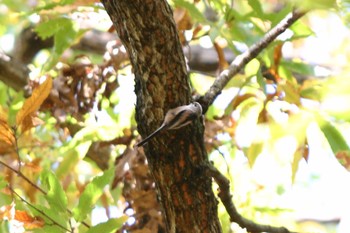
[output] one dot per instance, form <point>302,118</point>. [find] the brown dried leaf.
<point>344,158</point>
<point>34,166</point>
<point>33,103</point>
<point>277,55</point>
<point>143,200</point>
<point>6,213</point>
<point>239,99</point>
<point>272,73</point>
<point>7,137</point>
<point>182,19</point>
<point>30,121</point>
<point>223,64</point>
<point>120,163</point>
<point>28,221</point>
<point>196,30</point>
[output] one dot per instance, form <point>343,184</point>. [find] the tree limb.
<point>243,59</point>
<point>149,34</point>
<point>13,73</point>
<point>226,199</point>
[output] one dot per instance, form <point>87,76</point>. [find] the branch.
<point>243,59</point>
<point>20,174</point>
<point>12,72</point>
<point>226,199</point>
<point>28,43</point>
<point>54,222</point>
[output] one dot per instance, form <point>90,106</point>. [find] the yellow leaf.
<point>7,137</point>
<point>33,103</point>
<point>298,155</point>
<point>291,92</point>
<point>30,121</point>
<point>253,152</point>
<point>28,221</point>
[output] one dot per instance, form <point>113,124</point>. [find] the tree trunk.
<point>175,158</point>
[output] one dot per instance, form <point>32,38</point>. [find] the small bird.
<point>176,118</point>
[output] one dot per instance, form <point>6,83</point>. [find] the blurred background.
<point>279,131</point>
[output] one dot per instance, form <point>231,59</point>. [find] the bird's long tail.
<point>149,137</point>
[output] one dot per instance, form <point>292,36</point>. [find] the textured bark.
<point>176,158</point>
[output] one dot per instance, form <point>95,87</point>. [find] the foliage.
<point>71,141</point>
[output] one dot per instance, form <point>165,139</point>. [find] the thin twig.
<point>243,59</point>
<point>20,174</point>
<point>39,211</point>
<point>226,199</point>
<point>14,129</point>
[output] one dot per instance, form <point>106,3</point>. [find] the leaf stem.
<point>54,222</point>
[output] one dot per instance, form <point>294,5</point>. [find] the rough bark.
<point>176,158</point>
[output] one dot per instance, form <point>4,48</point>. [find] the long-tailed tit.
<point>176,118</point>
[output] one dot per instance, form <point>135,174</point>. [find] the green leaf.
<point>313,89</point>
<point>276,17</point>
<point>213,111</point>
<point>5,199</point>
<point>201,83</point>
<point>76,149</point>
<point>107,227</point>
<point>252,67</point>
<point>261,81</point>
<point>4,227</point>
<point>298,67</point>
<point>49,228</point>
<point>301,30</point>
<point>91,194</point>
<point>333,135</point>
<point>55,196</point>
<point>72,157</point>
<point>64,32</point>
<point>238,81</point>
<point>3,182</point>
<point>253,151</point>
<point>192,10</point>
<point>291,91</point>
<point>51,214</point>
<point>50,5</point>
<point>312,5</point>
<point>257,8</point>
<point>51,27</point>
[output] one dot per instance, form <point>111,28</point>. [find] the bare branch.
<point>13,73</point>
<point>241,60</point>
<point>226,199</point>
